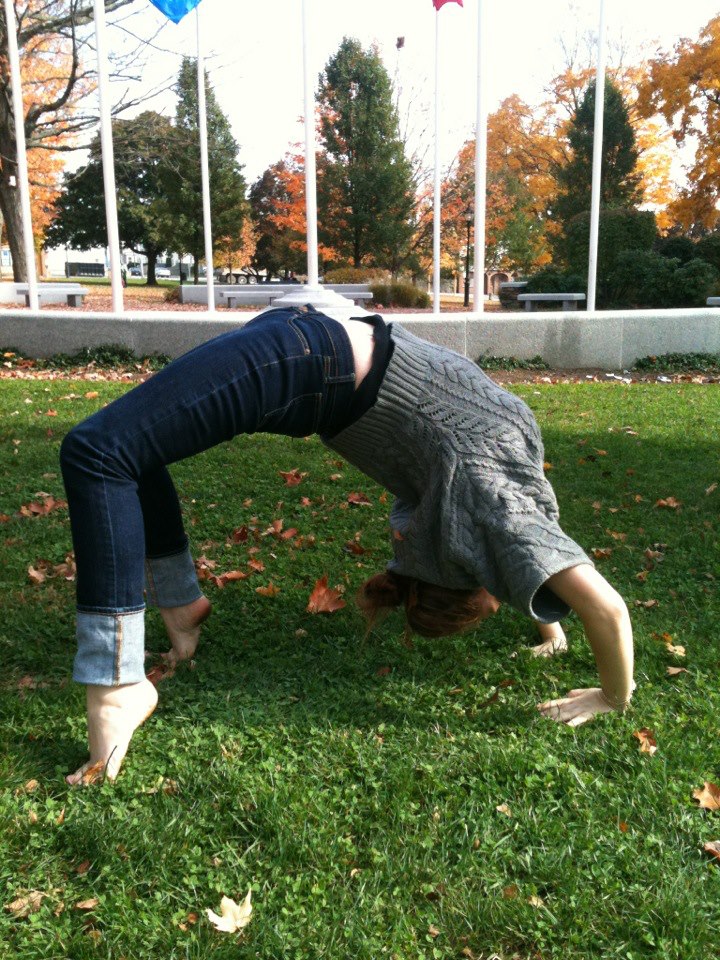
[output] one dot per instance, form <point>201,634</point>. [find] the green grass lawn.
<point>354,784</point>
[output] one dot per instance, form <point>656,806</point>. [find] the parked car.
<point>162,273</point>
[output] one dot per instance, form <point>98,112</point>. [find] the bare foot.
<point>113,715</point>
<point>183,628</point>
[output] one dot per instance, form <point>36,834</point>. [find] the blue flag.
<point>175,9</point>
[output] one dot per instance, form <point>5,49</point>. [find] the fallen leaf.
<point>536,901</point>
<point>711,489</point>
<point>289,533</point>
<point>675,649</point>
<point>274,530</point>
<point>433,931</point>
<point>709,796</point>
<point>669,503</point>
<point>622,827</point>
<point>383,671</point>
<point>648,604</point>
<point>602,553</point>
<point>91,395</point>
<point>504,808</point>
<point>51,413</point>
<point>622,537</point>
<point>353,547</point>
<point>358,499</point>
<point>25,905</point>
<point>240,534</point>
<point>162,671</point>
<point>647,740</point>
<point>511,892</point>
<point>547,466</point>
<point>94,774</point>
<point>257,565</point>
<point>642,576</point>
<point>324,599</point>
<point>87,904</point>
<point>674,671</point>
<point>713,848</point>
<point>32,817</point>
<point>82,868</point>
<point>229,577</point>
<point>233,916</point>
<point>42,508</point>
<point>31,786</point>
<point>305,501</point>
<point>269,591</point>
<point>596,505</point>
<point>292,477</point>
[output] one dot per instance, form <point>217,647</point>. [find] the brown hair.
<point>431,611</point>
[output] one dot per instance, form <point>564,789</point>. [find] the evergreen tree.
<point>184,187</point>
<point>366,194</point>
<point>620,183</point>
<point>140,171</point>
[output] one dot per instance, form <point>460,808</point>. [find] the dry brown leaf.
<point>596,505</point>
<point>87,904</point>
<point>511,892</point>
<point>622,537</point>
<point>358,499</point>
<point>94,774</point>
<point>647,740</point>
<point>292,477</point>
<point>602,553</point>
<point>648,604</point>
<point>711,489</point>
<point>353,547</point>
<point>229,577</point>
<point>91,395</point>
<point>35,576</point>
<point>536,901</point>
<point>257,565</point>
<point>27,904</point>
<point>669,503</point>
<point>289,533</point>
<point>274,530</point>
<point>324,599</point>
<point>713,848</point>
<point>82,868</point>
<point>240,534</point>
<point>674,671</point>
<point>709,796</point>
<point>233,916</point>
<point>433,931</point>
<point>504,808</point>
<point>37,508</point>
<point>547,466</point>
<point>269,591</point>
<point>675,649</point>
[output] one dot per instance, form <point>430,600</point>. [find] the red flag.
<point>441,3</point>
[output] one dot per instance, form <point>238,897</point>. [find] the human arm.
<point>606,622</point>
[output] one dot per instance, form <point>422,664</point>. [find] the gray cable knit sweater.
<point>464,459</point>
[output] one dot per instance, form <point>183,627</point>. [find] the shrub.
<point>356,275</point>
<point>647,279</point>
<point>680,362</point>
<point>172,295</point>
<point>620,230</point>
<point>708,249</point>
<point>512,363</point>
<point>554,280</point>
<point>676,248</point>
<point>399,295</point>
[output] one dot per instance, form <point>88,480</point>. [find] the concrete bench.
<point>713,301</point>
<point>235,298</point>
<point>569,301</point>
<point>71,293</point>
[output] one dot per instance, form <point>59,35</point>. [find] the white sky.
<point>255,55</point>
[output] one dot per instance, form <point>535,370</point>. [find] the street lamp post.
<point>468,224</point>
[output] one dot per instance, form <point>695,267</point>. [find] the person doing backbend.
<point>474,522</point>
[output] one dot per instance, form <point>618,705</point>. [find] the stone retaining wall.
<point>609,340</point>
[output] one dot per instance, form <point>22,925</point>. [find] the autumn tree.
<point>684,88</point>
<point>366,192</point>
<point>53,38</point>
<point>184,190</point>
<point>141,177</point>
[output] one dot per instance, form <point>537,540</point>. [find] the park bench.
<point>71,293</point>
<point>266,293</point>
<point>713,301</point>
<point>569,301</point>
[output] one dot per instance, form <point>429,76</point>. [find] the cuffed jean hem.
<point>171,581</point>
<point>111,648</point>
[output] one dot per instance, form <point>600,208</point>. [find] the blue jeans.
<point>289,372</point>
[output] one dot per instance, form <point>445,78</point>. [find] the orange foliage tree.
<point>683,87</point>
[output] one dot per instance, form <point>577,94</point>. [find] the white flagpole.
<point>22,168</point>
<point>597,162</point>
<point>436,185</point>
<point>310,172</point>
<point>204,169</point>
<point>480,164</point>
<point>108,157</point>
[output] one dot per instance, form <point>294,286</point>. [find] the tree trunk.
<point>10,206</point>
<point>196,270</point>
<point>152,256</point>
